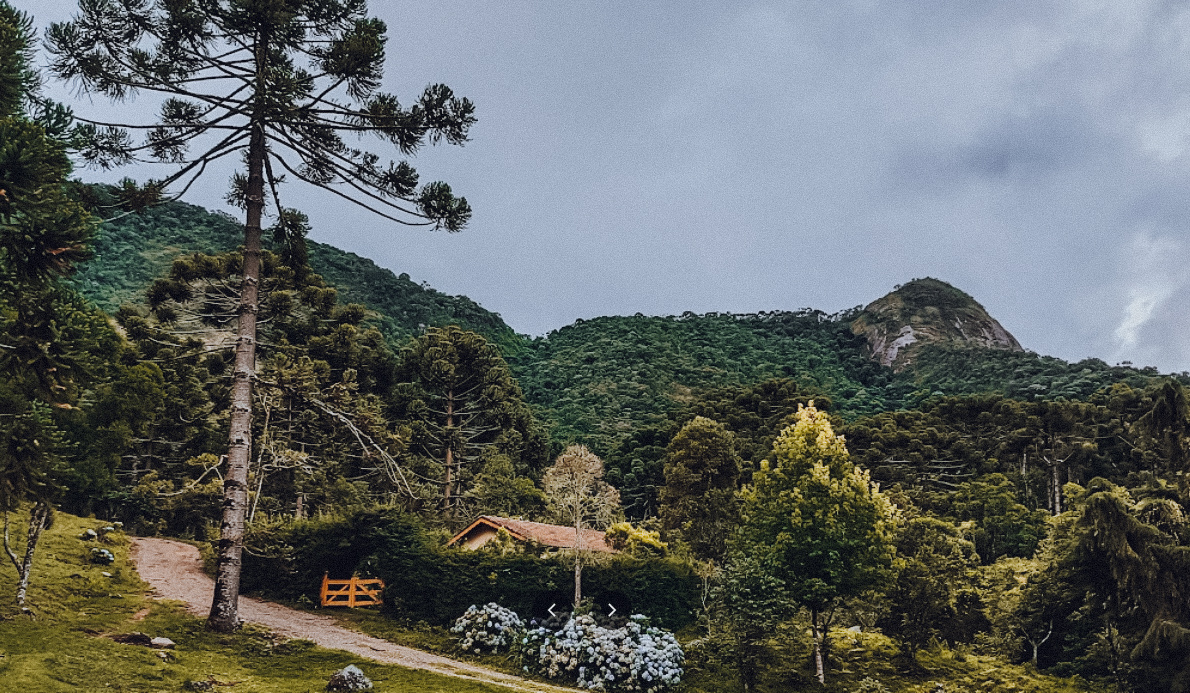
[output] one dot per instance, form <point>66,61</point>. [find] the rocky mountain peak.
<point>923,312</point>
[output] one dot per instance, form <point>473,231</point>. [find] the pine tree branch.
<point>355,201</point>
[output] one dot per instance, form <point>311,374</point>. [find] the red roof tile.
<point>558,536</point>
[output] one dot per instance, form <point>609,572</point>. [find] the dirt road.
<point>175,572</point>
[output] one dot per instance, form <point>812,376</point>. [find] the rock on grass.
<point>349,678</point>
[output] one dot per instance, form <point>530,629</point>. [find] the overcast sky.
<point>745,156</point>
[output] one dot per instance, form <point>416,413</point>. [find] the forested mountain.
<point>133,250</point>
<point>891,498</point>
<point>602,381</point>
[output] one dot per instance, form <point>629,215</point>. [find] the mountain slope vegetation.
<point>599,381</point>
<point>133,250</point>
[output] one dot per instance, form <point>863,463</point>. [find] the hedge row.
<point>436,584</point>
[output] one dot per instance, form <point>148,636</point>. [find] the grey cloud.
<point>766,155</point>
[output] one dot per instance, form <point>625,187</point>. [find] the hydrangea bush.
<point>491,626</point>
<point>102,556</point>
<point>636,657</point>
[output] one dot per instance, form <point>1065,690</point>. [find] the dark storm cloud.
<point>752,156</point>
<point>1029,147</point>
<point>1016,148</point>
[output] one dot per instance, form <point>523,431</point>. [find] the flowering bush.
<point>636,657</point>
<point>491,626</point>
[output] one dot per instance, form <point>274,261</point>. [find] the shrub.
<point>288,559</point>
<point>871,685</point>
<point>636,657</point>
<point>636,541</point>
<point>491,626</point>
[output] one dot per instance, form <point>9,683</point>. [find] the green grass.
<point>857,656</point>
<point>65,645</point>
<point>422,636</point>
<point>875,656</point>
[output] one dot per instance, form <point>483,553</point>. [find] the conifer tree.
<point>1169,423</point>
<point>1150,565</point>
<point>280,84</point>
<point>466,410</point>
<point>702,471</point>
<point>321,372</point>
<point>43,233</point>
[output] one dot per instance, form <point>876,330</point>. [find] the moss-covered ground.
<point>65,644</point>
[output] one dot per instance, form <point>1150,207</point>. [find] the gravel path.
<point>174,570</point>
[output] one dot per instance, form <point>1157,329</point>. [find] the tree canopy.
<point>820,518</point>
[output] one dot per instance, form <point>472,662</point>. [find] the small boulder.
<point>162,643</point>
<point>133,638</point>
<point>89,535</point>
<point>102,556</point>
<point>349,678</point>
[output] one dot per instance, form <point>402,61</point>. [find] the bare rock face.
<point>927,311</point>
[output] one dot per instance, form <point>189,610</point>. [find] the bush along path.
<point>174,570</point>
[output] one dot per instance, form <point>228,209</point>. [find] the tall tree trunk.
<point>819,663</point>
<point>450,422</point>
<point>578,559</point>
<point>1038,643</point>
<point>1056,483</point>
<point>224,616</point>
<point>39,516</point>
<point>578,578</point>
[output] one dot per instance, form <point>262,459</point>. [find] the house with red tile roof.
<point>487,527</point>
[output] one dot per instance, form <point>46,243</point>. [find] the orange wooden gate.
<point>351,593</point>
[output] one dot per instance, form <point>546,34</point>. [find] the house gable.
<point>485,528</point>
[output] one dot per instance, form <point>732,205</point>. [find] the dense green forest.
<point>600,381</point>
<point>132,250</point>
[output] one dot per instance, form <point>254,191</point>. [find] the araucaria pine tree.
<point>279,83</point>
<point>43,234</point>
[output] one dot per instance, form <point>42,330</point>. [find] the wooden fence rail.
<point>351,593</point>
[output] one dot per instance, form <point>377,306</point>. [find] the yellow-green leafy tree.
<point>820,521</point>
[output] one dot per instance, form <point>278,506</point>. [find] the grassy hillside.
<point>66,644</point>
<point>131,251</point>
